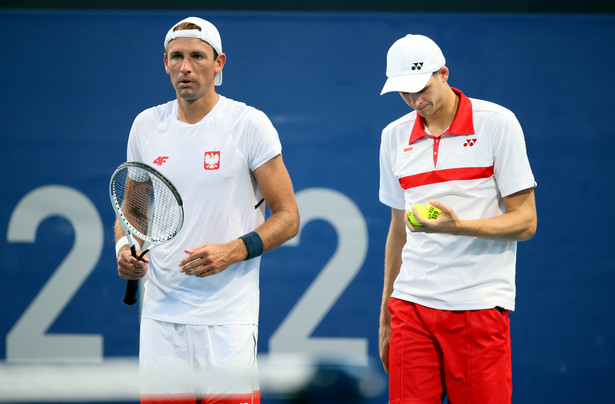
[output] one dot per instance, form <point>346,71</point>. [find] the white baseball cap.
<point>411,61</point>
<point>208,33</point>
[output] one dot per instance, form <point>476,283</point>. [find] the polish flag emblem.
<point>212,160</point>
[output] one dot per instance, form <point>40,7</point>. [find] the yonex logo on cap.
<point>417,66</point>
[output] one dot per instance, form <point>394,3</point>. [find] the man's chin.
<point>185,95</point>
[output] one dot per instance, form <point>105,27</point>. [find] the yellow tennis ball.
<point>432,212</point>
<point>422,209</point>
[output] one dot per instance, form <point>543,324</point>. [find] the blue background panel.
<point>74,81</point>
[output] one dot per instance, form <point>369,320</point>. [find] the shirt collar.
<point>462,123</point>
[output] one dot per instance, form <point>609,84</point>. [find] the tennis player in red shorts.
<point>449,282</point>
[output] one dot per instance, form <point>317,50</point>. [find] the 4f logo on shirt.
<point>212,160</point>
<point>161,160</point>
<point>469,142</point>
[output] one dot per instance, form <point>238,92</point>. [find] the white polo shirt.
<point>479,160</point>
<point>211,164</point>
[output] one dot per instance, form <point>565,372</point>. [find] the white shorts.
<point>198,360</point>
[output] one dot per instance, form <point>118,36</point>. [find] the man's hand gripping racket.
<point>147,206</point>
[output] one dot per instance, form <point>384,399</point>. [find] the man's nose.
<point>415,98</point>
<point>412,99</point>
<point>186,66</point>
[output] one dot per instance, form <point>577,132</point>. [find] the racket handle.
<point>130,296</point>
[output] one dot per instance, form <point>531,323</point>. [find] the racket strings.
<point>164,217</point>
<point>147,203</point>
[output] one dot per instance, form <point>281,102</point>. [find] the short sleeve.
<point>512,167</point>
<point>260,140</point>
<point>391,193</point>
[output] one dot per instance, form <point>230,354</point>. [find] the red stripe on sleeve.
<point>452,174</point>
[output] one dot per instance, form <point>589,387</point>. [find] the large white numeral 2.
<point>293,335</point>
<point>27,340</point>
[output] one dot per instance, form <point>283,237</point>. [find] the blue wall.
<point>72,82</point>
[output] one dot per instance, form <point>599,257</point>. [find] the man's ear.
<point>220,61</point>
<point>444,73</point>
<point>166,63</point>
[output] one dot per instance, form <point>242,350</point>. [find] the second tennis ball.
<point>426,211</point>
<point>432,212</point>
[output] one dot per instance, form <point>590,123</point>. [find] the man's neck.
<point>194,111</point>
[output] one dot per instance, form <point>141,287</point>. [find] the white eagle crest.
<point>212,160</point>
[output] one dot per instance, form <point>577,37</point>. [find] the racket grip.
<point>130,295</point>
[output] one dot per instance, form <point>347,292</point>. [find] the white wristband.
<point>122,242</point>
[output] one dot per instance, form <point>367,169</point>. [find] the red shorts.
<point>462,354</point>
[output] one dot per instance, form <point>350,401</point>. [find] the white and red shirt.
<point>480,159</point>
<point>210,163</point>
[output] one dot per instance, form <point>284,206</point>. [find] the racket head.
<point>146,203</point>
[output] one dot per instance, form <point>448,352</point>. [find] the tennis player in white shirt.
<point>201,299</point>
<point>450,282</point>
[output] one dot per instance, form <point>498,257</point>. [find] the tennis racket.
<point>148,207</point>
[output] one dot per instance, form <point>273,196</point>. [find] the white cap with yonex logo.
<point>411,61</point>
<point>208,33</point>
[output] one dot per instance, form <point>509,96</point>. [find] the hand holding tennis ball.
<point>426,211</point>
